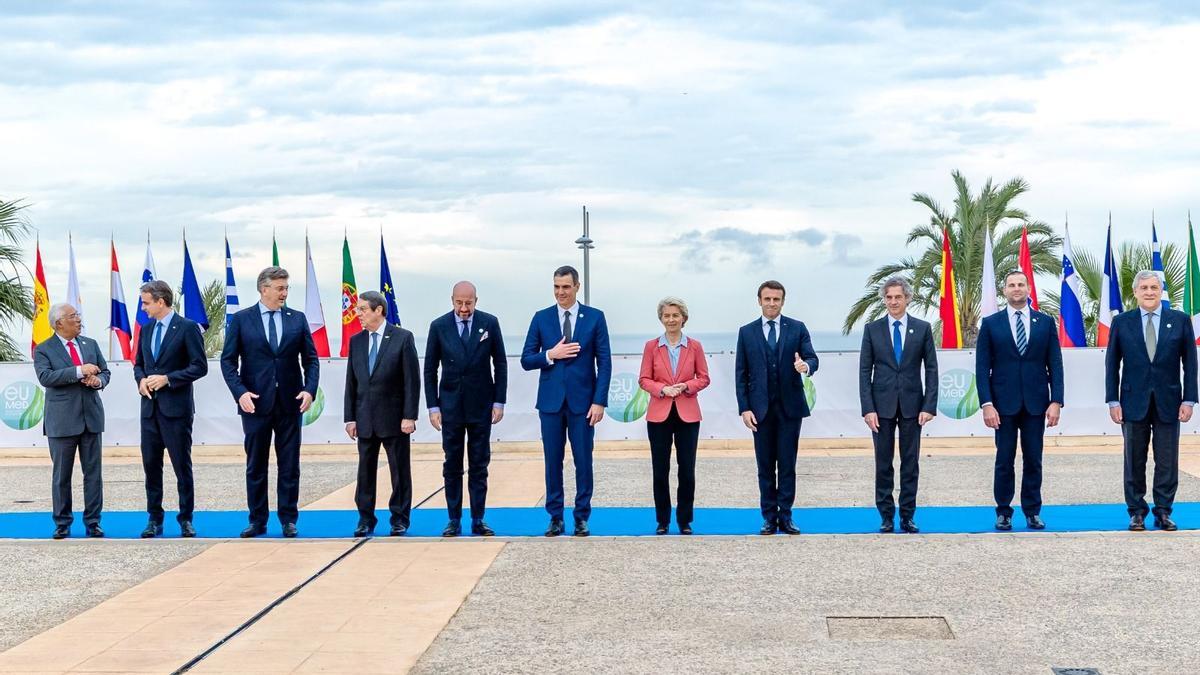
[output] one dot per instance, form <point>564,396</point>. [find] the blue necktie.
<point>897,345</point>
<point>272,335</point>
<point>466,331</point>
<point>157,339</point>
<point>1022,341</point>
<point>371,355</point>
<point>772,340</point>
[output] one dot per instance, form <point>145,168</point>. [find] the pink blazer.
<point>656,374</point>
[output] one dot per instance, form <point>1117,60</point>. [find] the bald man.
<point>466,345</point>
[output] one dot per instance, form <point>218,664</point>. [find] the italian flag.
<point>948,299</point>
<point>1191,283</point>
<point>350,324</point>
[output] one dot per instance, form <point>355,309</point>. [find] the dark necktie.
<point>466,331</point>
<point>157,344</point>
<point>772,338</point>
<point>567,326</point>
<point>371,355</point>
<point>897,344</point>
<point>272,335</point>
<point>1022,341</point>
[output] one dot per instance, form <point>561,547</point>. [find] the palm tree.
<point>214,308</point>
<point>990,211</point>
<point>16,299</point>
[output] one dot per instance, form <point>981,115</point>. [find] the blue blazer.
<point>248,364</point>
<point>750,370</point>
<point>1012,382</point>
<point>1130,375</point>
<point>578,382</point>
<point>181,358</point>
<point>467,390</point>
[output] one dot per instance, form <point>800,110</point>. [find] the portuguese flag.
<point>350,324</point>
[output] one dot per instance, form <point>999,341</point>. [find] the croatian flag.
<point>142,318</point>
<point>118,321</point>
<point>1156,264</point>
<point>1110,292</point>
<point>313,310</point>
<point>231,298</point>
<point>1070,309</point>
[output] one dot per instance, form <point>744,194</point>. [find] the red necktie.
<point>74,354</point>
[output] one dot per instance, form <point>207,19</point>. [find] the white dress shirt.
<point>64,341</point>
<point>1012,322</point>
<point>574,310</point>
<point>778,327</point>
<point>891,321</point>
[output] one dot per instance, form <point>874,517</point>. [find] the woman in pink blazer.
<point>673,373</point>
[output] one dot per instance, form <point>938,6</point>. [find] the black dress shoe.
<point>788,527</point>
<point>452,529</point>
<point>581,528</point>
<point>364,530</point>
<point>152,530</point>
<point>398,531</point>
<point>555,528</point>
<point>290,531</point>
<point>1165,523</point>
<point>62,532</point>
<point>1035,522</point>
<point>887,525</point>
<point>1137,523</point>
<point>685,528</point>
<point>768,527</point>
<point>481,529</point>
<point>253,531</point>
<point>907,525</point>
<point>94,531</point>
<point>186,529</point>
<point>661,529</point>
<point>1004,523</point>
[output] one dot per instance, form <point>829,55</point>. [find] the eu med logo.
<point>23,405</point>
<point>957,396</point>
<point>314,411</point>
<point>627,402</point>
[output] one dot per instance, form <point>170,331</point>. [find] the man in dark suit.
<point>1019,377</point>
<point>1150,349</point>
<point>270,366</point>
<point>383,396</point>
<point>774,353</point>
<point>467,346</point>
<point>898,389</point>
<point>164,368</point>
<point>73,371</point>
<point>568,343</point>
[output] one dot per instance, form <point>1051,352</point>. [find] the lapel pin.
<point>910,331</point>
<point>1168,325</point>
<point>480,330</point>
<point>1034,319</point>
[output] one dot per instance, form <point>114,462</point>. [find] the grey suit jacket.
<point>71,407</point>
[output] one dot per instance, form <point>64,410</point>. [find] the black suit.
<point>1150,392</point>
<point>167,414</point>
<point>474,379</point>
<point>277,376</point>
<point>897,393</point>
<point>376,401</point>
<point>767,384</point>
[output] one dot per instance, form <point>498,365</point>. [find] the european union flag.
<point>193,301</point>
<point>385,286</point>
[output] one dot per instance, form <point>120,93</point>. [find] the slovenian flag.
<point>231,296</point>
<point>142,318</point>
<point>1070,309</point>
<point>1110,292</point>
<point>118,322</point>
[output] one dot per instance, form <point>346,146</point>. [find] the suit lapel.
<point>257,326</point>
<point>908,339</point>
<point>168,335</point>
<point>61,350</point>
<point>1165,328</point>
<point>664,361</point>
<point>472,340</point>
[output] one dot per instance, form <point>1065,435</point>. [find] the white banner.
<point>833,393</point>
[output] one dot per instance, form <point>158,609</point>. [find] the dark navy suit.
<point>278,376</point>
<point>474,378</point>
<point>767,384</point>
<point>566,389</point>
<point>1021,387</point>
<point>1150,392</point>
<point>168,413</point>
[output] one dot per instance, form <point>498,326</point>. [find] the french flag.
<point>1070,310</point>
<point>118,322</point>
<point>1110,292</point>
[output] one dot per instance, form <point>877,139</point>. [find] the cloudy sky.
<point>715,144</point>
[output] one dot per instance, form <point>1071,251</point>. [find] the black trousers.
<point>285,427</point>
<point>1032,429</point>
<point>473,440</point>
<point>175,435</point>
<point>685,436</point>
<point>775,445</point>
<point>1138,435</point>
<point>398,449</point>
<point>910,469</point>
<point>62,456</point>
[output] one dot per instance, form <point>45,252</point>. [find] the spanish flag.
<point>41,304</point>
<point>948,299</point>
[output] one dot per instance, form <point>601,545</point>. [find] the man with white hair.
<point>73,371</point>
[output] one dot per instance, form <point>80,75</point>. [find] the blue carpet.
<point>611,521</point>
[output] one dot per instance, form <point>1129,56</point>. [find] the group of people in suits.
<point>270,365</point>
